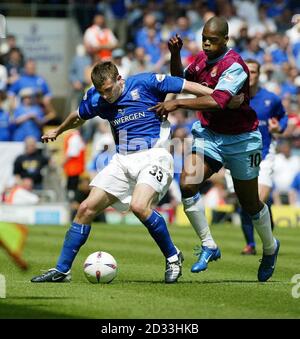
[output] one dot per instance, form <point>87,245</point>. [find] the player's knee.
<point>85,211</point>
<point>140,210</point>
<point>252,208</point>
<point>188,190</point>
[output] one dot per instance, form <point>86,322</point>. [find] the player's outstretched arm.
<point>72,121</point>
<point>175,45</point>
<point>200,90</point>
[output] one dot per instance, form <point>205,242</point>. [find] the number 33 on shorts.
<point>156,171</point>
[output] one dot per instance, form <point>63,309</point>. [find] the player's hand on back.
<point>50,136</point>
<point>236,101</point>
<point>175,44</point>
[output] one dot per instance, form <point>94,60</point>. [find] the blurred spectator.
<point>247,9</point>
<point>77,75</point>
<point>5,125</point>
<point>183,29</point>
<point>283,22</point>
<point>99,40</point>
<point>28,118</point>
<point>151,45</point>
<point>140,62</point>
<point>294,193</point>
<point>288,87</point>
<point>14,65</point>
<point>10,45</point>
<point>3,78</point>
<point>21,193</point>
<point>288,164</point>
<point>38,84</point>
<point>122,62</point>
<point>264,24</point>
<point>30,164</point>
<point>243,39</point>
<point>74,160</point>
<point>294,32</point>
<point>149,23</point>
<point>253,51</point>
<point>282,53</point>
<point>275,7</point>
<point>118,22</point>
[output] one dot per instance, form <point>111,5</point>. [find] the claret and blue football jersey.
<point>133,125</point>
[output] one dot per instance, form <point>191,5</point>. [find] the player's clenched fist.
<point>175,44</point>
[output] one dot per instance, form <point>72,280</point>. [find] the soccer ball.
<point>100,267</point>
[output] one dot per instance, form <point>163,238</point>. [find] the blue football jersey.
<point>133,126</point>
<point>268,105</point>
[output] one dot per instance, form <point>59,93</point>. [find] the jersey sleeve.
<point>165,83</point>
<point>232,79</point>
<point>230,82</point>
<point>88,107</point>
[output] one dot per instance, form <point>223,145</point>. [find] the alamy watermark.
<point>180,148</point>
<point>2,27</point>
<point>2,286</point>
<point>296,289</point>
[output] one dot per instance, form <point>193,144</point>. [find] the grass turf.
<point>228,289</point>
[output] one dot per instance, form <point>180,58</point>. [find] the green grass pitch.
<point>228,289</point>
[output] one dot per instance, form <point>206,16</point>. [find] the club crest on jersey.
<point>267,103</point>
<point>121,111</point>
<point>160,77</point>
<point>213,72</point>
<point>135,94</point>
<point>229,78</point>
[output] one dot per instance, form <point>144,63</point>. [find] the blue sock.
<point>157,227</point>
<point>74,239</point>
<point>247,228</point>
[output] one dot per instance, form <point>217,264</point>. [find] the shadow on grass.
<point>202,282</point>
<point>37,298</point>
<point>12,311</point>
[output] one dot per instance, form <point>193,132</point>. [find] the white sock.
<point>262,224</point>
<point>194,210</point>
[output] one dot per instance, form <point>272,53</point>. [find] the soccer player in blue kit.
<point>140,172</point>
<point>272,119</point>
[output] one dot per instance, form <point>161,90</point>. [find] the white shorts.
<point>266,169</point>
<point>153,167</point>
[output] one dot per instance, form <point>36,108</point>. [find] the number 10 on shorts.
<point>255,159</point>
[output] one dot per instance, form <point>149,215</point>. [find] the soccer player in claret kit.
<point>140,173</point>
<point>231,139</point>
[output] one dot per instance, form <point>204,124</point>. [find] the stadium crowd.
<point>134,35</point>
